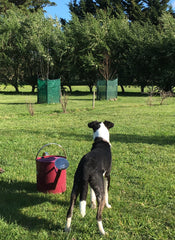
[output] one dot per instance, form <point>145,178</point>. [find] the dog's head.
<point>101,129</point>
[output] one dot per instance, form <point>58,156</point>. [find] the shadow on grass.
<point>132,94</point>
<point>123,138</point>
<point>16,103</point>
<point>129,138</point>
<point>80,93</point>
<point>77,93</point>
<point>16,196</point>
<point>17,93</point>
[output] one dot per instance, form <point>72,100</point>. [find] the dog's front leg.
<point>106,186</point>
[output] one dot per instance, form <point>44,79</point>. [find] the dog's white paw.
<point>83,208</point>
<point>103,233</point>
<point>68,224</point>
<point>108,205</point>
<point>100,227</point>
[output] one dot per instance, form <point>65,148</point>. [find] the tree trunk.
<point>123,90</point>
<point>33,88</point>
<point>142,89</point>
<point>16,88</point>
<point>70,88</point>
<point>90,88</point>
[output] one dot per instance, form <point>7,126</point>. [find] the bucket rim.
<point>49,158</point>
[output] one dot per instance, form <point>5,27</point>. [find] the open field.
<point>143,169</point>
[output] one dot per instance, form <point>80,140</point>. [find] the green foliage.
<point>141,53</point>
<point>90,41</point>
<point>113,46</point>
<point>151,57</point>
<point>166,54</point>
<point>135,10</point>
<point>24,5</point>
<point>11,48</point>
<point>27,47</point>
<point>154,10</point>
<point>100,45</point>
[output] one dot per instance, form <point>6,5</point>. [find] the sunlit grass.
<point>142,177</point>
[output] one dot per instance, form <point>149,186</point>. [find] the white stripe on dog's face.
<point>102,132</point>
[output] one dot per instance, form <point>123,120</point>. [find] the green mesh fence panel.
<point>49,91</point>
<point>107,89</point>
<point>42,91</point>
<point>101,89</point>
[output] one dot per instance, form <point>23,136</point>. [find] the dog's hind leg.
<point>100,196</point>
<point>101,204</point>
<point>83,196</point>
<point>74,195</point>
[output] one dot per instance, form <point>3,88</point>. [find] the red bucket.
<point>51,179</point>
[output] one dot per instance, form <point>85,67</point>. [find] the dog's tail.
<point>74,195</point>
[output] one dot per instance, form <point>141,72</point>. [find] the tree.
<point>82,7</point>
<point>43,35</point>
<point>154,9</point>
<point>165,75</point>
<point>151,57</point>
<point>96,47</point>
<point>32,5</point>
<point>76,69</point>
<point>27,48</point>
<point>141,54</point>
<point>133,9</point>
<point>11,49</point>
<point>35,5</point>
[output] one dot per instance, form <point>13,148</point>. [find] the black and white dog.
<point>94,168</point>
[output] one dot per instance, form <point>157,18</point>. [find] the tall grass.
<point>143,168</point>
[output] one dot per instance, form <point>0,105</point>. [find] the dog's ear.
<point>94,125</point>
<point>108,124</point>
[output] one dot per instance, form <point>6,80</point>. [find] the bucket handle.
<point>48,145</point>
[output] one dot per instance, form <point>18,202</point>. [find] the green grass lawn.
<point>143,168</point>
